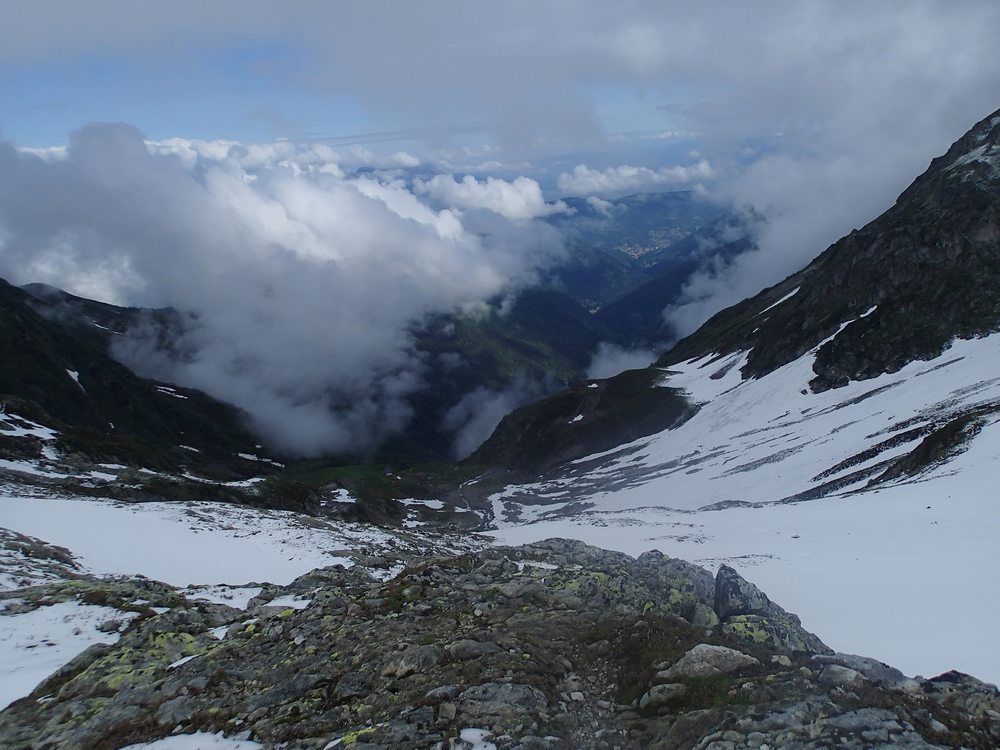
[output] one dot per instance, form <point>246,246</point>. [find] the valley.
<point>781,533</point>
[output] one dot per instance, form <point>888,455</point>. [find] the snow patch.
<point>35,644</point>
<point>754,442</point>
<point>197,741</point>
<point>783,299</point>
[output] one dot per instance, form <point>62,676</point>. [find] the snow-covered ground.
<point>210,549</point>
<point>903,573</point>
<point>35,644</point>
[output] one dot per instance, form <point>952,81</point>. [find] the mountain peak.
<point>897,290</point>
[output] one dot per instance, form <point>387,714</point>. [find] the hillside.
<point>541,647</point>
<point>847,418</point>
<point>57,368</point>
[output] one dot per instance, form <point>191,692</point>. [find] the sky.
<point>306,178</point>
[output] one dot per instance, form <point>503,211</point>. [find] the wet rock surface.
<point>551,645</point>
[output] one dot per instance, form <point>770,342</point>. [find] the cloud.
<point>298,282</point>
<point>611,359</point>
<point>518,199</point>
<point>625,179</point>
<point>477,414</point>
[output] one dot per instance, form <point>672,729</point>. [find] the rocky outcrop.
<point>590,417</point>
<point>551,645</point>
<point>897,290</point>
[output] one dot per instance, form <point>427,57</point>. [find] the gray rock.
<point>353,684</point>
<point>660,696</point>
<point>705,660</point>
<point>837,676</point>
<point>443,693</point>
<point>872,669</point>
<point>736,596</point>
<point>500,699</point>
<point>416,659</point>
<point>469,649</point>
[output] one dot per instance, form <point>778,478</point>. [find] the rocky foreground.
<point>551,645</point>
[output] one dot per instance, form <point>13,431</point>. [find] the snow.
<point>182,661</point>
<point>873,571</point>
<point>577,418</point>
<point>783,299</point>
<point>171,392</point>
<point>253,457</point>
<point>196,741</point>
<point>28,467</point>
<point>12,425</point>
<point>75,376</point>
<point>477,739</point>
<point>231,596</point>
<point>290,602</point>
<point>189,448</point>
<point>432,504</point>
<point>35,644</point>
<point>180,543</point>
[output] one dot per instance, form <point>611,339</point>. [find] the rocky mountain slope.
<point>57,369</point>
<point>847,418</point>
<point>900,289</point>
<point>553,645</point>
<point>924,272</point>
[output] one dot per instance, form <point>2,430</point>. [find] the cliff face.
<point>551,645</point>
<point>925,271</point>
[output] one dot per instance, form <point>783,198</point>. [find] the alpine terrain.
<point>594,574</point>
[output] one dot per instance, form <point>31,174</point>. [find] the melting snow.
<point>171,392</point>
<point>35,644</point>
<point>197,741</point>
<point>894,573</point>
<point>783,299</point>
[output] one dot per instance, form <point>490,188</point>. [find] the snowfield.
<point>35,644</point>
<point>902,572</point>
<point>210,550</point>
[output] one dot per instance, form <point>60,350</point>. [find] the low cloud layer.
<point>476,415</point>
<point>611,359</point>
<point>299,278</point>
<point>518,199</point>
<point>584,181</point>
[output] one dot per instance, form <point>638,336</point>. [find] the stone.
<point>736,596</point>
<point>469,649</point>
<point>415,659</point>
<point>500,699</point>
<point>837,676</point>
<point>660,696</point>
<point>705,660</point>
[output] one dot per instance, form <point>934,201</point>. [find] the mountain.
<point>900,289</point>
<point>616,246</point>
<point>851,478</point>
<point>57,369</point>
<point>844,419</point>
<point>638,315</point>
<point>924,272</point>
<point>544,646</point>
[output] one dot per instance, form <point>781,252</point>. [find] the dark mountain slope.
<point>924,272</point>
<point>590,417</point>
<point>930,265</point>
<point>637,316</point>
<point>56,366</point>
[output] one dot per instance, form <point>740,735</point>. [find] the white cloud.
<point>477,414</point>
<point>518,199</point>
<point>301,283</point>
<point>625,179</point>
<point>611,359</point>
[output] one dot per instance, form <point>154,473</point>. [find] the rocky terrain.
<point>551,645</point>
